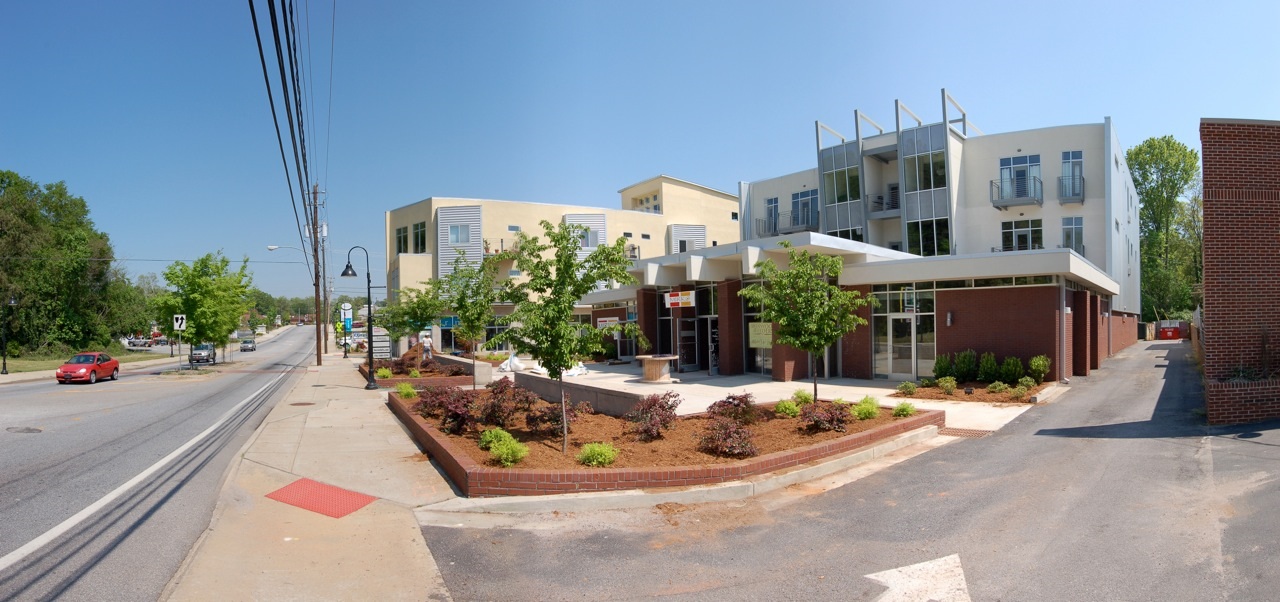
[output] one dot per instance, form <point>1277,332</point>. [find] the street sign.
<point>179,322</point>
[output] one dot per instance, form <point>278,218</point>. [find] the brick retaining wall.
<point>475,480</point>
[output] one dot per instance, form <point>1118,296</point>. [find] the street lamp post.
<point>368,321</point>
<point>319,318</point>
<point>4,337</point>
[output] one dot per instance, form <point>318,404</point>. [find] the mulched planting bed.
<point>980,394</point>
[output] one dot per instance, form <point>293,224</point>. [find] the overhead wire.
<point>293,136</point>
<point>274,114</point>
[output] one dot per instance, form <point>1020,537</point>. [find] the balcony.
<point>1070,189</point>
<point>786,223</point>
<point>499,245</point>
<point>1017,192</point>
<point>633,251</point>
<point>1017,247</point>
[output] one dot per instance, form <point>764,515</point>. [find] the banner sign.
<point>682,299</point>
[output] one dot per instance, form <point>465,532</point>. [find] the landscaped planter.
<point>421,382</point>
<point>476,480</point>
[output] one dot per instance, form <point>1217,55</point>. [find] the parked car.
<point>88,367</point>
<point>139,342</point>
<point>248,345</point>
<point>203,353</point>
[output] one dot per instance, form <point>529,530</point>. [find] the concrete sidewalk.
<point>328,429</point>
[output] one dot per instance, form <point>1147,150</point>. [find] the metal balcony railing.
<point>890,203</point>
<point>1016,247</point>
<point>1017,191</point>
<point>498,245</point>
<point>786,223</point>
<point>1077,248</point>
<point>1071,189</point>
<point>633,251</point>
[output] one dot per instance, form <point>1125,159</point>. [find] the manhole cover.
<point>24,429</point>
<point>302,403</point>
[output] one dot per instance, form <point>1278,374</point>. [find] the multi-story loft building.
<point>1023,243</point>
<point>659,216</point>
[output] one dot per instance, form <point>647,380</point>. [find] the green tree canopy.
<point>471,289</point>
<point>811,313</point>
<point>1164,173</point>
<point>558,274</point>
<point>211,296</point>
<point>414,310</point>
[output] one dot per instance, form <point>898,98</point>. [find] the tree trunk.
<point>813,373</point>
<point>564,419</point>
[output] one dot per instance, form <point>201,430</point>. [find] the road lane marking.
<point>45,538</point>
<point>941,580</point>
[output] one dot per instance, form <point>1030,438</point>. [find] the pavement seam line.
<point>58,530</point>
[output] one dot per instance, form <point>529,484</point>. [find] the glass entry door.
<point>895,350</point>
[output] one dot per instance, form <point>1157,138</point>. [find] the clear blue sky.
<point>156,112</point>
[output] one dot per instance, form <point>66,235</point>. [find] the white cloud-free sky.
<point>156,112</point>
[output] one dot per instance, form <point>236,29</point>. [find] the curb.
<point>446,513</point>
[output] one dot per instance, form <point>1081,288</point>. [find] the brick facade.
<point>1241,178</point>
<point>729,308</point>
<point>1018,321</point>
<point>855,347</point>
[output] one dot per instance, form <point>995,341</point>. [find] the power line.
<point>328,131</point>
<point>288,108</point>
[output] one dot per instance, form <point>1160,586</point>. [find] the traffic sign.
<point>179,322</point>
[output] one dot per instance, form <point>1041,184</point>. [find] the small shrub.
<point>928,382</point>
<point>727,437</point>
<point>866,409</point>
<point>491,436</point>
<point>1026,382</point>
<point>907,388</point>
<point>787,408</point>
<point>988,369</point>
<point>498,410</point>
<point>942,366</point>
<point>433,400</point>
<point>904,410</point>
<point>508,452</point>
<point>506,389</point>
<point>653,414</point>
<point>382,373</point>
<point>546,419</point>
<point>947,384</point>
<point>965,368</point>
<point>597,454</point>
<point>1012,370</point>
<point>1038,368</point>
<point>1018,392</point>
<point>406,391</point>
<point>458,413</point>
<point>997,387</point>
<point>739,408</point>
<point>802,397</point>
<point>413,373</point>
<point>825,416</point>
<point>452,370</point>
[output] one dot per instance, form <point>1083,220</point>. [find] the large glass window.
<point>924,163</point>
<point>1072,174</point>
<point>771,214</point>
<point>804,208</point>
<point>402,240</point>
<point>1021,235</point>
<point>929,237</point>
<point>420,237</point>
<point>1073,233</point>
<point>459,234</point>
<point>1019,176</point>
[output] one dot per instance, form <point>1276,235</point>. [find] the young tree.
<point>413,311</point>
<point>211,296</point>
<point>810,311</point>
<point>558,274</point>
<point>471,290</point>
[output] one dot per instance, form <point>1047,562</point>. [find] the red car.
<point>89,367</point>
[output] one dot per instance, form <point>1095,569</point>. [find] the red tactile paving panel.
<point>318,497</point>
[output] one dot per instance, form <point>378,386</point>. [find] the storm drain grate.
<point>318,497</point>
<point>966,433</point>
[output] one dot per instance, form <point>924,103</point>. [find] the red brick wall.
<point>1068,361</point>
<point>1018,321</point>
<point>1124,331</point>
<point>1082,322</point>
<point>647,316</point>
<point>729,308</point>
<point>789,363</point>
<point>855,347</point>
<point>1241,177</point>
<point>475,480</point>
<point>1097,349</point>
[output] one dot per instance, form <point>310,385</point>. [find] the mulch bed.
<point>980,394</point>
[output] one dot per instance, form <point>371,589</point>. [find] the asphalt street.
<point>1115,491</point>
<point>64,447</point>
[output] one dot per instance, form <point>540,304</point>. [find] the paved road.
<point>1116,491</point>
<point>91,439</point>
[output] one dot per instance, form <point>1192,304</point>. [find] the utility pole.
<point>324,272</point>
<point>315,253</point>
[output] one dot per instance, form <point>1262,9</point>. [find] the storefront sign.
<point>760,335</point>
<point>605,322</point>
<point>684,299</point>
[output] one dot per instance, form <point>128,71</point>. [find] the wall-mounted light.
<point>948,318</point>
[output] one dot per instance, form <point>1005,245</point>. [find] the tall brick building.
<point>1241,163</point>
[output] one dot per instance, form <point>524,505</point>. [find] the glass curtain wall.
<point>841,190</point>
<point>904,330</point>
<point>927,205</point>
